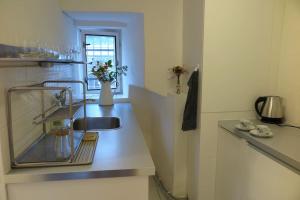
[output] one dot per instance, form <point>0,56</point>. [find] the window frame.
<point>118,57</point>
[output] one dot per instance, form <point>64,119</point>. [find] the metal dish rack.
<point>41,152</point>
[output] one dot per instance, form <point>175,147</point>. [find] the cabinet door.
<point>246,173</point>
<point>119,188</point>
<point>230,166</point>
<point>269,180</point>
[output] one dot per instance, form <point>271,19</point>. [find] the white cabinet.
<point>244,173</point>
<point>123,188</point>
<point>267,179</point>
<point>230,166</point>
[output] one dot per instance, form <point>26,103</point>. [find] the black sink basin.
<point>97,123</point>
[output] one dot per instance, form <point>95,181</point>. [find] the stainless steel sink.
<point>97,123</point>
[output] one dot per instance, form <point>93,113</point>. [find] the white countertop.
<point>120,152</point>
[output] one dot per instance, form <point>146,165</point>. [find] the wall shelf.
<point>42,62</point>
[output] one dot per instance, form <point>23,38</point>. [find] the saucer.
<point>257,133</point>
<point>244,128</point>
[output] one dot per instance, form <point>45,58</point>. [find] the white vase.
<point>106,96</point>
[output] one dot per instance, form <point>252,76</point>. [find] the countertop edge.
<point>9,179</point>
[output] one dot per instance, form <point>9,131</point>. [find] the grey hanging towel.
<point>190,110</point>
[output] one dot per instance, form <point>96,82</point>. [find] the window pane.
<point>99,48</point>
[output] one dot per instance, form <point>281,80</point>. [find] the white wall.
<point>250,49</point>
<point>289,65</point>
<point>237,50</point>
<point>133,52</point>
<point>193,19</point>
<point>33,21</point>
<point>131,29</point>
<point>160,119</point>
<point>239,64</point>
<point>162,28</point>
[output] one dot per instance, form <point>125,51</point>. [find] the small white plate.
<point>257,133</point>
<point>244,128</point>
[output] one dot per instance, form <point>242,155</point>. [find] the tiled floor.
<point>155,192</point>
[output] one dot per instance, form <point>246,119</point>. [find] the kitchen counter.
<point>283,147</point>
<point>120,152</point>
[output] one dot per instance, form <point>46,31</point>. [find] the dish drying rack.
<point>41,152</point>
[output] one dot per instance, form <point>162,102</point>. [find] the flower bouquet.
<point>106,76</point>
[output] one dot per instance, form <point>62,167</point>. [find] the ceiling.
<point>102,16</point>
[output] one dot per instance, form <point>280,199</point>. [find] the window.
<point>100,46</point>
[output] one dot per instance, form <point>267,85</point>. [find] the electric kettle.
<point>269,109</point>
